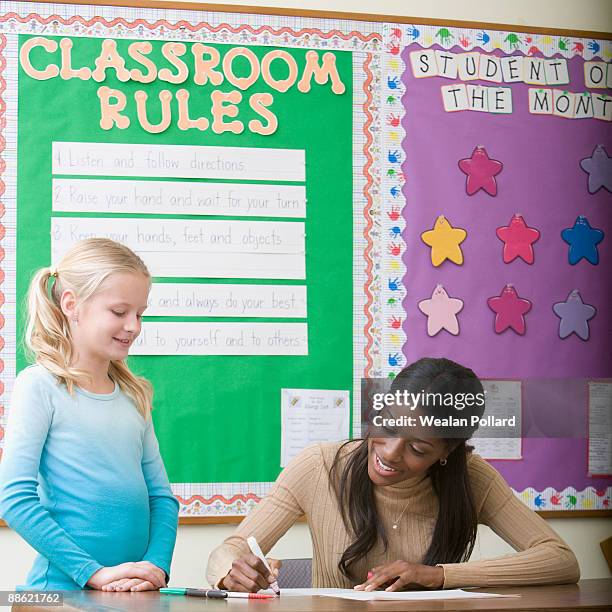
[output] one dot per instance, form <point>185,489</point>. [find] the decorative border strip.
<point>363,170</point>
<point>183,26</point>
<point>3,123</point>
<point>219,499</point>
<point>488,40</point>
<point>394,202</point>
<point>568,499</point>
<point>372,212</point>
<point>224,32</point>
<point>217,505</point>
<point>367,213</point>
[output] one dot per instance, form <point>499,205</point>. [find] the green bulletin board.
<point>217,417</point>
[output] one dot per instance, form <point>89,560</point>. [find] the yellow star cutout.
<point>444,240</point>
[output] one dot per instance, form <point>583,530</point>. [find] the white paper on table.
<point>178,197</point>
<point>412,595</point>
<point>197,248</point>
<point>226,300</point>
<point>191,338</point>
<point>600,428</point>
<point>178,161</point>
<point>503,399</point>
<point>312,415</point>
<point>390,596</point>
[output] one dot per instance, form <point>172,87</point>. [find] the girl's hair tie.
<point>53,271</point>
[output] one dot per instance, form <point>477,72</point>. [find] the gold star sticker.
<point>444,240</point>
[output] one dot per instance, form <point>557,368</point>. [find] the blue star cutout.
<point>583,240</point>
<point>599,169</point>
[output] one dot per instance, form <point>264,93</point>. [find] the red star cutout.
<point>518,240</point>
<point>509,309</point>
<point>481,172</point>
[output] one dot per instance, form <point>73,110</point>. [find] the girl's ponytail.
<point>48,339</point>
<point>47,335</point>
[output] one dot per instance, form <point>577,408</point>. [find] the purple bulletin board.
<point>541,180</point>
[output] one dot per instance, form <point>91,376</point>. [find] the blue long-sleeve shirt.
<point>82,481</point>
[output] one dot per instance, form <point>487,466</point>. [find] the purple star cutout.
<point>574,315</point>
<point>599,169</point>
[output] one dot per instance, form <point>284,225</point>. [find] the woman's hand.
<point>401,574</point>
<point>249,574</point>
<point>142,570</point>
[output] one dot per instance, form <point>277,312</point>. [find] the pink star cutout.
<point>509,309</point>
<point>518,240</point>
<point>481,171</point>
<point>441,311</point>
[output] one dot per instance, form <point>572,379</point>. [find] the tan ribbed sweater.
<point>303,489</point>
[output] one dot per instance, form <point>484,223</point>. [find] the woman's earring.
<point>443,462</point>
<point>75,321</point>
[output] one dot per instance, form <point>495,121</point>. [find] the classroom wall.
<point>196,541</point>
<point>594,15</point>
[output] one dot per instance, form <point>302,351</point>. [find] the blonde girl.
<point>82,480</point>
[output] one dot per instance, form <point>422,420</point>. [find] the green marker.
<point>215,594</point>
<point>209,593</point>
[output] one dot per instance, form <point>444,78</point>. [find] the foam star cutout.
<point>444,240</point>
<point>518,240</point>
<point>509,310</point>
<point>481,171</point>
<point>441,311</point>
<point>574,315</point>
<point>599,169</point>
<point>583,240</point>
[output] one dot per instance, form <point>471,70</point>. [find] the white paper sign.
<point>447,64</point>
<point>556,71</point>
<point>226,300</point>
<point>490,69</point>
<point>583,108</point>
<point>503,399</point>
<point>500,99</point>
<point>198,248</point>
<point>478,98</point>
<point>541,101</point>
<point>312,415</point>
<point>454,98</point>
<point>563,103</point>
<point>600,428</point>
<point>188,338</point>
<point>595,74</point>
<point>176,197</point>
<point>423,63</point>
<point>178,161</point>
<point>512,68</point>
<point>602,106</point>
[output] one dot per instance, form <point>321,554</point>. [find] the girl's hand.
<point>140,569</point>
<point>130,584</point>
<point>401,574</point>
<point>249,574</point>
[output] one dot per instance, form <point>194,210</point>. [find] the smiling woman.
<point>399,511</point>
